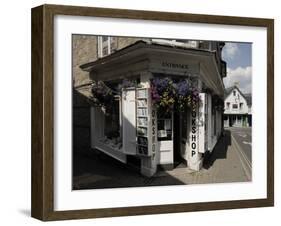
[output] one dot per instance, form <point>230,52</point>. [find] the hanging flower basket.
<point>186,94</point>
<point>168,94</point>
<point>163,93</point>
<point>102,95</point>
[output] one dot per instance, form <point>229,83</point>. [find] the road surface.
<point>243,136</point>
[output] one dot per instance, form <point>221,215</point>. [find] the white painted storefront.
<point>143,133</point>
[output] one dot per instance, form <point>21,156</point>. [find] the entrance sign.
<point>173,66</point>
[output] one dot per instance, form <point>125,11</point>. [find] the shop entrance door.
<point>177,143</point>
<point>180,120</point>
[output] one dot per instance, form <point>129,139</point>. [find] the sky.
<point>238,57</point>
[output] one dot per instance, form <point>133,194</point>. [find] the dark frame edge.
<point>37,199</point>
<point>270,111</point>
<point>158,209</point>
<point>155,15</point>
<point>42,114</point>
<point>42,203</point>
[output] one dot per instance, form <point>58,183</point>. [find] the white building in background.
<point>237,108</point>
<point>134,131</point>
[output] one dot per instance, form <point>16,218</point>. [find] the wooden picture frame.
<point>43,107</point>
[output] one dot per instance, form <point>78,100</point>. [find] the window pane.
<point>104,51</point>
<point>104,38</point>
<point>112,124</point>
<point>164,126</point>
<point>234,106</point>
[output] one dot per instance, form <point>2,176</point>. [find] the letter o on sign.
<point>193,145</point>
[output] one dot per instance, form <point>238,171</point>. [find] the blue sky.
<point>238,57</point>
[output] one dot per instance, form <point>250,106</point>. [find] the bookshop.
<point>156,106</point>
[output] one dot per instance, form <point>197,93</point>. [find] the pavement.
<point>92,170</point>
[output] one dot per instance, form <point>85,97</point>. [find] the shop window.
<point>112,122</point>
<point>164,126</point>
<point>234,106</point>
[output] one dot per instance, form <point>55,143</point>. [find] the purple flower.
<point>182,88</point>
<point>161,84</point>
<point>154,94</point>
<point>169,94</point>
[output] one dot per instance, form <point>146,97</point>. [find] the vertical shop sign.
<point>153,128</point>
<point>194,128</point>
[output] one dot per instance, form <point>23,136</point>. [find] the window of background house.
<point>241,105</point>
<point>234,106</point>
<point>234,92</point>
<point>227,105</point>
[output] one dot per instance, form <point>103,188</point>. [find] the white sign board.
<point>129,121</point>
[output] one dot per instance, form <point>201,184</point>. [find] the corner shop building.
<point>136,132</point>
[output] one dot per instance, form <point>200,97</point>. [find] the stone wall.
<point>124,41</point>
<point>84,50</point>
